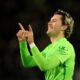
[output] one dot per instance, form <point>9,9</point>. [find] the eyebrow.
<point>53,19</point>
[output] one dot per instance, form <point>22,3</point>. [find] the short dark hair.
<point>66,20</point>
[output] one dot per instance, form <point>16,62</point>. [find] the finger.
<point>26,33</point>
<point>21,26</point>
<point>30,28</point>
<point>18,33</point>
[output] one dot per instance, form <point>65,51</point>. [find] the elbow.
<point>27,65</point>
<point>42,68</point>
<point>24,65</point>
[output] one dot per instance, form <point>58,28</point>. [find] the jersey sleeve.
<point>43,62</point>
<point>27,59</point>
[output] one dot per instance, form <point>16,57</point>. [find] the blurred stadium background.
<point>37,13</point>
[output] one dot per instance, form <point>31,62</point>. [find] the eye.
<point>53,20</point>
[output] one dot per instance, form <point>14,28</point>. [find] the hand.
<point>30,35</point>
<point>21,34</point>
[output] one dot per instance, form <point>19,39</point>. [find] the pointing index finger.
<point>30,28</point>
<point>21,26</point>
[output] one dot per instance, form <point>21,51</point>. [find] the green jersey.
<point>56,60</point>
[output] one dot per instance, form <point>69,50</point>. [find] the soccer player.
<point>57,60</point>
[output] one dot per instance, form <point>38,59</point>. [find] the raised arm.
<point>37,58</point>
<point>42,62</point>
<point>27,59</point>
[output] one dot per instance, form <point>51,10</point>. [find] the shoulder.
<point>66,47</point>
<point>64,42</point>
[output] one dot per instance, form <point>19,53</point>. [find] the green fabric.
<point>57,60</point>
<point>27,59</point>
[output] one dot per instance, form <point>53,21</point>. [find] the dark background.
<point>37,13</point>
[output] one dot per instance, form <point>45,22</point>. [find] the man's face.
<point>54,25</point>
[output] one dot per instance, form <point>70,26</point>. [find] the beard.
<point>54,33</point>
<point>51,34</point>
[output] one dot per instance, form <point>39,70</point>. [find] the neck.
<point>54,39</point>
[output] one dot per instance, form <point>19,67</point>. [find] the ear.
<point>64,27</point>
